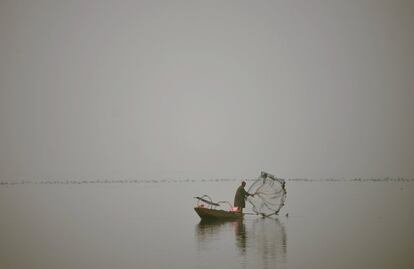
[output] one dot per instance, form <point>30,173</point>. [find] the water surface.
<point>153,225</point>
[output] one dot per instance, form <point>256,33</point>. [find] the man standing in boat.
<point>240,197</point>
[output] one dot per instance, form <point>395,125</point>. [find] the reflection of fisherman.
<point>241,236</point>
<point>240,197</point>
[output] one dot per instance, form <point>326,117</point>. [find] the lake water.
<point>153,225</point>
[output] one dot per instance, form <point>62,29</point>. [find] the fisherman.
<point>240,197</point>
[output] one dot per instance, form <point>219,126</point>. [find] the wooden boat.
<point>217,214</point>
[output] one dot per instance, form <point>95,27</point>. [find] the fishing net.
<point>269,194</point>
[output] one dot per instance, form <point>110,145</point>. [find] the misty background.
<point>206,89</point>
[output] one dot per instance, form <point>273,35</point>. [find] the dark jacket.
<point>240,197</point>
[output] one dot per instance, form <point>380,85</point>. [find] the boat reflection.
<point>209,231</point>
<point>262,239</point>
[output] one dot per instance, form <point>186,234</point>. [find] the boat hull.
<point>207,213</point>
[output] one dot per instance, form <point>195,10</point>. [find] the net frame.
<point>269,194</point>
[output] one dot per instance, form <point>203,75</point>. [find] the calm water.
<point>153,225</point>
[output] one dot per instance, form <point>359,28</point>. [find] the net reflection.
<point>259,241</point>
<point>271,241</point>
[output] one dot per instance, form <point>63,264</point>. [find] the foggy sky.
<point>206,89</point>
